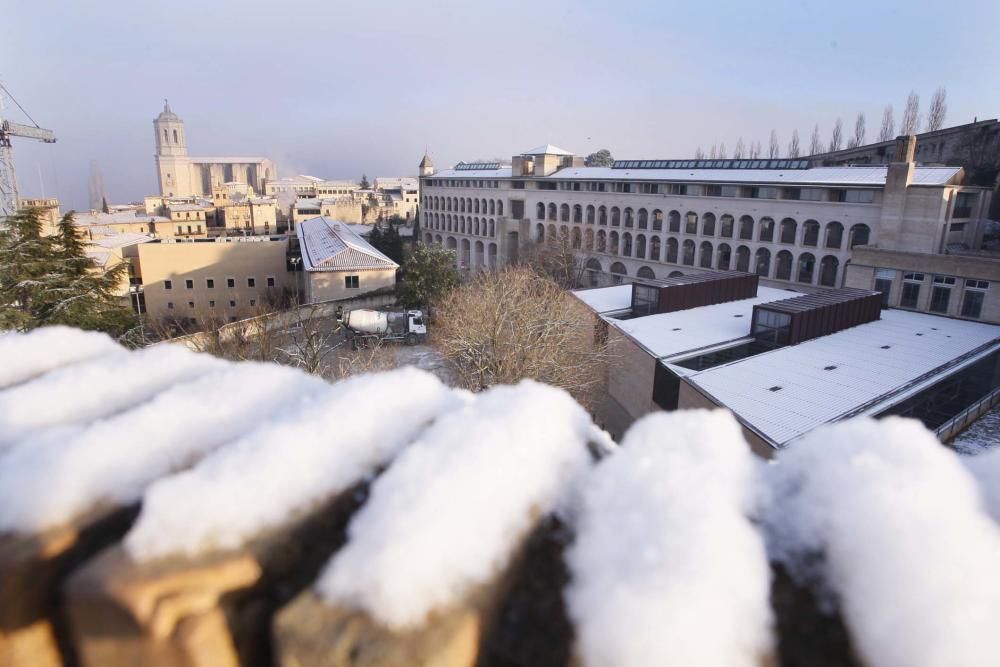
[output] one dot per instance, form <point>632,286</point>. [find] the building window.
<point>211,304</point>
<point>644,300</point>
<point>168,284</point>
<point>232,304</point>
<point>270,281</point>
<point>253,302</point>
<point>170,305</point>
<point>911,290</point>
<point>972,299</point>
<point>351,282</point>
<point>210,283</point>
<point>189,284</point>
<point>230,282</point>
<point>941,294</point>
<point>191,305</point>
<point>251,282</point>
<point>963,204</point>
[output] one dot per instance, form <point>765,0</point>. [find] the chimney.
<point>906,146</point>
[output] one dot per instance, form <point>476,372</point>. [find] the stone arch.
<point>627,244</point>
<point>564,213</point>
<point>724,257</point>
<point>690,222</point>
<point>674,222</point>
<point>438,240</point>
<point>672,250</point>
<point>766,230</point>
<point>593,270</point>
<point>654,248</point>
<point>640,246</point>
<point>539,211</point>
<point>499,208</point>
<point>617,271</point>
<point>688,253</point>
<point>428,238</point>
<point>576,239</point>
<point>491,256</point>
<point>539,233</point>
<point>762,262</point>
<point>743,259</point>
<point>577,213</point>
<point>783,265</point>
<point>828,271</point>
<point>591,214</point>
<point>708,224</point>
<point>789,229</point>
<point>629,217</point>
<point>746,228</point>
<point>834,235</point>
<point>616,216</point>
<point>807,268</point>
<point>726,226</point>
<point>675,274</point>
<point>475,205</point>
<point>551,234</point>
<point>480,257</point>
<point>466,257</point>
<point>492,207</point>
<point>492,229</point>
<point>452,243</point>
<point>602,241</point>
<point>810,233</point>
<point>860,235</point>
<point>552,211</point>
<point>602,215</point>
<point>705,255</point>
<point>646,272</point>
<point>588,240</point>
<point>657,220</point>
<point>613,245</point>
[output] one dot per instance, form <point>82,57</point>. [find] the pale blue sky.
<point>336,89</point>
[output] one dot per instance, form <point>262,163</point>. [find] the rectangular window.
<point>941,294</point>
<point>811,194</point>
<point>232,304</point>
<point>253,302</point>
<point>764,193</point>
<point>211,304</point>
<point>911,290</point>
<point>351,282</point>
<point>972,303</point>
<point>170,305</point>
<point>191,304</point>
<point>251,282</point>
<point>230,282</point>
<point>270,281</point>
<point>644,300</point>
<point>884,285</point>
<point>210,283</point>
<point>963,204</point>
<point>189,284</point>
<point>168,284</point>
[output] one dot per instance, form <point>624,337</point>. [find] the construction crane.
<point>9,200</point>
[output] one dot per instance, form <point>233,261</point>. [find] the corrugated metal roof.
<point>670,334</point>
<point>547,149</point>
<point>330,245</point>
<point>502,172</point>
<point>816,175</point>
<point>606,299</point>
<point>867,363</point>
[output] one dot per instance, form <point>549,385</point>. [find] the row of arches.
<point>465,205</point>
<point>810,233</point>
<point>469,254</point>
<point>461,224</point>
<point>780,266</point>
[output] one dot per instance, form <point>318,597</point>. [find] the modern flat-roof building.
<point>792,223</point>
<point>338,264</point>
<point>785,364</point>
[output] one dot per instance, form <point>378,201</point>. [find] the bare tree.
<point>793,145</point>
<point>556,259</point>
<point>754,150</point>
<point>314,341</point>
<point>888,130</point>
<point>815,147</point>
<point>699,154</point>
<point>937,110</point>
<point>773,150</point>
<point>722,151</point>
<point>837,136</point>
<point>738,151</point>
<point>504,326</point>
<point>712,153</point>
<point>859,131</point>
<point>911,115</point>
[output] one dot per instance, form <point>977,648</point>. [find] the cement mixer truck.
<point>368,326</point>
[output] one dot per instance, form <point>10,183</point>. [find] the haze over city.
<point>337,89</point>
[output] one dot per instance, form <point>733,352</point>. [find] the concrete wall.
<point>217,260</point>
<point>330,285</point>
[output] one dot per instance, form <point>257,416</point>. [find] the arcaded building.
<point>794,224</point>
<point>180,175</point>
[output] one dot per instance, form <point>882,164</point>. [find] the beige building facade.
<point>222,278</point>
<point>339,264</point>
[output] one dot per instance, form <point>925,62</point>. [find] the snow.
<point>450,512</point>
<point>666,568</point>
<point>981,436</point>
<point>26,356</point>
<point>331,441</point>
<point>985,468</point>
<point>60,473</point>
<point>96,388</point>
<point>606,299</point>
<point>907,549</point>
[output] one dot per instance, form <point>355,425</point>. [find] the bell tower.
<point>426,166</point>
<point>172,162</point>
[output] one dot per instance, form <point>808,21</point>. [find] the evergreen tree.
<point>428,274</point>
<point>365,185</point>
<point>104,205</point>
<point>51,280</point>
<point>375,237</point>
<point>392,244</point>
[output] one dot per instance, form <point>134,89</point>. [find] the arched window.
<point>588,240</point>
<point>783,267</point>
<point>166,139</point>
<point>499,212</point>
<point>591,215</point>
<point>810,233</point>
<point>763,262</point>
<point>657,220</point>
<point>726,231</point>
<point>688,258</point>
<point>675,274</point>
<point>859,235</point>
<point>475,229</point>
<point>613,243</point>
<point>746,228</point>
<point>640,246</point>
<point>705,255</point>
<point>724,257</point>
<point>577,213</point>
<point>476,206</point>
<point>539,211</point>
<point>577,239</point>
<point>468,204</point>
<point>461,206</point>
<point>563,234</point>
<point>480,259</point>
<point>428,238</point>
<point>646,272</point>
<point>438,240</point>
<point>672,250</point>
<point>788,229</point>
<point>452,243</point>
<point>602,241</point>
<point>627,244</point>
<point>551,234</point>
<point>491,255</point>
<point>807,267</point>
<point>828,271</point>
<point>540,233</point>
<point>743,259</point>
<point>766,230</point>
<point>492,229</point>
<point>654,248</point>
<point>674,222</point>
<point>616,217</point>
<point>691,223</point>
<point>564,213</point>
<point>493,207</point>
<point>593,270</point>
<point>602,216</point>
<point>175,137</point>
<point>629,217</point>
<point>617,271</point>
<point>643,219</point>
<point>552,211</point>
<point>708,224</point>
<point>834,235</point>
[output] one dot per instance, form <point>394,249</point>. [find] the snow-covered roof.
<point>330,245</point>
<point>547,149</point>
<point>501,172</point>
<point>120,240</point>
<point>814,176</point>
<point>671,334</point>
<point>870,366</point>
<point>187,207</point>
<point>606,299</point>
<point>229,160</point>
<point>122,217</point>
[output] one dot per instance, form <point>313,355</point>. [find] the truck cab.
<point>415,322</point>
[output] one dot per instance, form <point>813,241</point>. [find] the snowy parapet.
<point>666,568</point>
<point>24,356</point>
<point>450,512</point>
<point>330,440</point>
<point>902,540</point>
